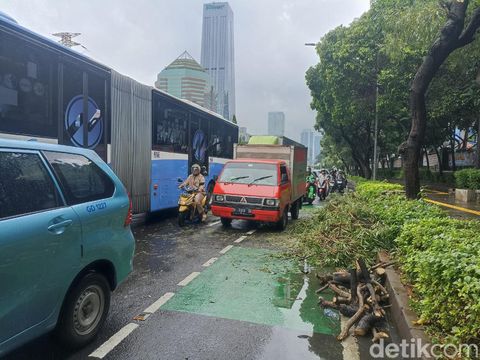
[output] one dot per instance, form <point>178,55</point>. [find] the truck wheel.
<point>226,222</point>
<point>84,311</point>
<point>282,224</point>
<point>295,210</point>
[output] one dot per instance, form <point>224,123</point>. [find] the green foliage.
<point>440,257</point>
<point>386,46</point>
<point>358,224</point>
<point>468,179</point>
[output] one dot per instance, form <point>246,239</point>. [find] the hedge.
<point>468,179</point>
<point>439,256</point>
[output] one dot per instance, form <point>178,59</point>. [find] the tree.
<point>453,35</point>
<point>343,87</point>
<point>234,119</point>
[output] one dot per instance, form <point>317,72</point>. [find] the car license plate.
<point>242,211</point>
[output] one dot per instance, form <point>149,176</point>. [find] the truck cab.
<point>264,183</point>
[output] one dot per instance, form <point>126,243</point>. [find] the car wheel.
<point>226,221</point>
<point>295,210</point>
<point>282,224</point>
<point>84,311</point>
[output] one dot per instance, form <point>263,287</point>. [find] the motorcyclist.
<point>197,181</point>
<point>341,177</point>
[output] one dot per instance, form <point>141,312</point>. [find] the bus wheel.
<point>226,222</point>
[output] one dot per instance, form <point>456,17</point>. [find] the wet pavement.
<point>248,303</point>
<point>456,209</point>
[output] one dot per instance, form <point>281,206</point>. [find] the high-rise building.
<point>218,55</point>
<point>311,139</point>
<point>186,79</point>
<point>276,123</point>
<point>243,135</point>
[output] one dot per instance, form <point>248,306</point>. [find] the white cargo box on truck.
<point>295,156</point>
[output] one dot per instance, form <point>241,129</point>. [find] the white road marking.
<point>157,304</point>
<point>240,239</point>
<point>225,249</point>
<point>210,262</point>
<point>214,223</point>
<point>251,232</point>
<point>116,339</point>
<point>189,278</point>
<point>350,344</point>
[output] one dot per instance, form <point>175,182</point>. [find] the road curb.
<point>402,314</point>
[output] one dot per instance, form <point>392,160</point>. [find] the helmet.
<point>196,167</point>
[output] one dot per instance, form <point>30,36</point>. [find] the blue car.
<point>65,242</point>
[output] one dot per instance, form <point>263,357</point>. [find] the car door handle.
<point>58,228</point>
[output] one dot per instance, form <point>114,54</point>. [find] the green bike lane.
<point>250,303</point>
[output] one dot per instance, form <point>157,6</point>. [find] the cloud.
<point>139,38</point>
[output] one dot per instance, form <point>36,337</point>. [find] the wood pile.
<point>361,296</point>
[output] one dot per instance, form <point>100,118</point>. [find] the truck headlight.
<point>219,198</point>
<point>271,202</point>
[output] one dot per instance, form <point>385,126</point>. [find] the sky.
<point>139,38</point>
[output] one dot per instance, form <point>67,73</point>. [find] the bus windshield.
<point>249,173</point>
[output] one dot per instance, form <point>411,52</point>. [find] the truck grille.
<point>244,199</point>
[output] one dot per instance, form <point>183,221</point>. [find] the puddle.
<point>250,284</point>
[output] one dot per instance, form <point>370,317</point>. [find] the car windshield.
<point>249,173</point>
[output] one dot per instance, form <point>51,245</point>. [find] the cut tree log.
<point>380,330</point>
<point>361,309</point>
<point>365,324</point>
<point>377,309</point>
<point>347,310</point>
<point>341,300</point>
<point>339,291</point>
<point>380,271</point>
<point>353,285</point>
<point>327,304</point>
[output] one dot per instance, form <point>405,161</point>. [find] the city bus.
<point>148,137</point>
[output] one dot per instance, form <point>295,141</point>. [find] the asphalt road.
<point>245,305</point>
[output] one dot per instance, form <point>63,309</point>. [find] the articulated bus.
<point>148,137</point>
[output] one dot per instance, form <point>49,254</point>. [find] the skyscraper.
<point>311,139</point>
<point>218,55</point>
<point>276,123</point>
<point>186,79</point>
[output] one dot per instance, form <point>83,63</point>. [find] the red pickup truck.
<point>263,183</point>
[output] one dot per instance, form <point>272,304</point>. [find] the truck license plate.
<point>242,211</point>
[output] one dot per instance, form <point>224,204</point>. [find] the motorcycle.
<point>322,190</point>
<point>332,184</point>
<point>187,209</point>
<point>311,190</point>
<point>341,184</point>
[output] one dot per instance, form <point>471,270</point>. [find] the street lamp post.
<point>375,137</point>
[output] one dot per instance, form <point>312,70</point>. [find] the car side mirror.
<point>179,180</point>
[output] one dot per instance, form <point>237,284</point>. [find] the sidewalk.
<point>438,194</point>
<point>456,209</point>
